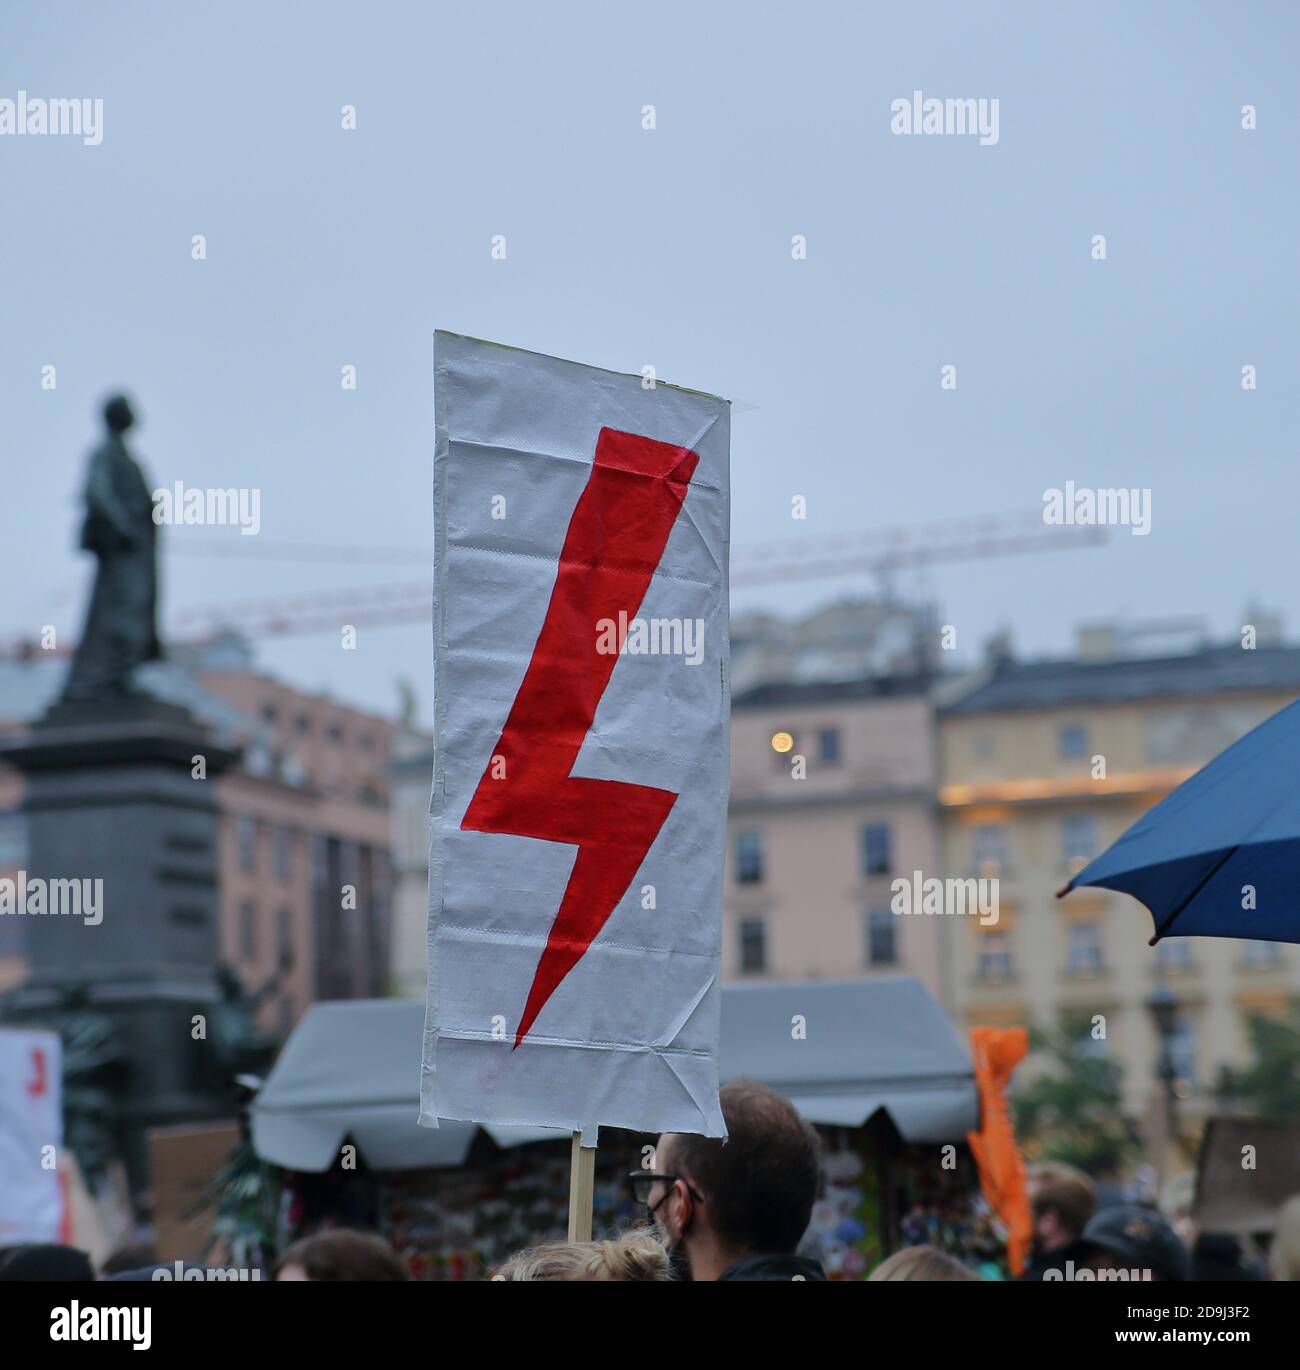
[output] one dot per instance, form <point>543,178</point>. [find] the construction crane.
<point>880,552</point>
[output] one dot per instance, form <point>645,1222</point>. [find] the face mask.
<point>678,1261</point>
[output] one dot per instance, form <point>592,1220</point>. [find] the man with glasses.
<point>736,1210</point>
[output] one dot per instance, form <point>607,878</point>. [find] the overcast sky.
<point>671,247</point>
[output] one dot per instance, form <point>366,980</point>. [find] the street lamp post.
<point>1163,1007</point>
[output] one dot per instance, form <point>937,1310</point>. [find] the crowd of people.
<point>738,1211</point>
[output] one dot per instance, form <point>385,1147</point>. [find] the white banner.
<point>578,816</point>
<point>31,1137</point>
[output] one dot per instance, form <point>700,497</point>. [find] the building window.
<point>882,940</point>
<point>13,841</point>
<point>989,850</point>
<point>270,713</point>
<point>876,858</point>
<point>753,946</point>
<point>248,930</point>
<point>749,858</point>
<point>1072,742</point>
<point>1256,954</point>
<point>994,956</point>
<point>828,746</point>
<point>366,742</point>
<point>1083,948</point>
<point>1173,954</point>
<point>334,732</point>
<point>1078,839</point>
<point>284,932</point>
<point>302,723</point>
<point>283,853</point>
<point>247,830</point>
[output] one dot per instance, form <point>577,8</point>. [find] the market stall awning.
<point>350,1069</point>
<point>841,1050</point>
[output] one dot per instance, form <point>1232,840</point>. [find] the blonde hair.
<point>922,1263</point>
<point>636,1255</point>
<point>1284,1254</point>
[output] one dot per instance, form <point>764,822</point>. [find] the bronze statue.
<point>120,632</point>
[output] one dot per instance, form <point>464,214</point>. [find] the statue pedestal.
<point>112,806</point>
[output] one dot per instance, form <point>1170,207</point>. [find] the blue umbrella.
<point>1220,856</point>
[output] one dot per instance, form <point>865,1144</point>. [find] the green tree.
<point>1071,1109</point>
<point>1270,1086</point>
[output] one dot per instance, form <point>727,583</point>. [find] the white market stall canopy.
<point>840,1050</point>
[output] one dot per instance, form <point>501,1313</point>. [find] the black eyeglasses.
<point>643,1181</point>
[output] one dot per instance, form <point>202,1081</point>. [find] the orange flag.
<point>997,1052</point>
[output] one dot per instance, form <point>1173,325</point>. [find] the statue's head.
<point>118,415</point>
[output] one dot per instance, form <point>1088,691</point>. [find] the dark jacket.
<point>774,1268</point>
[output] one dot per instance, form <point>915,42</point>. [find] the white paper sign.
<point>578,816</point>
<point>31,1137</point>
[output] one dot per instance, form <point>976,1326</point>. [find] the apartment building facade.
<point>1042,765</point>
<point>832,799</point>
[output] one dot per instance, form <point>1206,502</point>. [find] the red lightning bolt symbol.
<point>616,537</point>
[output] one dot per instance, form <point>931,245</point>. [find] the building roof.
<point>1015,685</point>
<point>792,694</point>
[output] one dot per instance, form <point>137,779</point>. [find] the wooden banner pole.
<point>582,1185</point>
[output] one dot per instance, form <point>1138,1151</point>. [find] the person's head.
<point>752,1195</point>
<point>118,414</point>
<point>637,1255</point>
<point>136,1256</point>
<point>1284,1253</point>
<point>43,1261</point>
<point>340,1255</point>
<point>1062,1199</point>
<point>1132,1239</point>
<point>922,1263</point>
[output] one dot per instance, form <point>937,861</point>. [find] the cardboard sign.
<point>31,1137</point>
